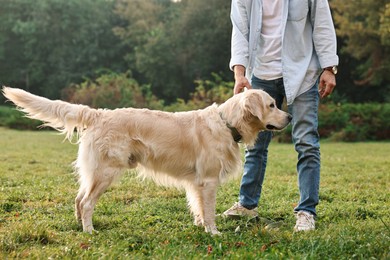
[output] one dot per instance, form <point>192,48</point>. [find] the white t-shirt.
<point>269,57</point>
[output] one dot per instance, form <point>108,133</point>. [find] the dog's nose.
<point>289,117</point>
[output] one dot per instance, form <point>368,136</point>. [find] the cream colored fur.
<point>192,150</point>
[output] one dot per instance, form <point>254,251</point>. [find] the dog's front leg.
<point>195,203</point>
<point>209,192</point>
<point>201,200</point>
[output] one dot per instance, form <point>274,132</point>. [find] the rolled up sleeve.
<point>240,34</point>
<point>324,33</point>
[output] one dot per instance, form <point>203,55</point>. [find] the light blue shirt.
<point>308,42</point>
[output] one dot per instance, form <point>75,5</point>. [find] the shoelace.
<point>304,219</point>
<point>239,206</point>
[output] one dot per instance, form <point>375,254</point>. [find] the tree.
<point>203,33</point>
<point>47,44</point>
<point>173,44</point>
<point>364,26</point>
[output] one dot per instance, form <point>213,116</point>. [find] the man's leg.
<point>305,135</point>
<point>254,171</point>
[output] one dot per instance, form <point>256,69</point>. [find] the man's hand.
<point>327,83</point>
<point>241,81</point>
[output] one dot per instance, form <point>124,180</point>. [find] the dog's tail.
<point>60,115</point>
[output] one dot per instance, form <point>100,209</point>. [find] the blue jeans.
<point>306,140</point>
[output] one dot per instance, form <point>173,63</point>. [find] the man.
<point>287,48</point>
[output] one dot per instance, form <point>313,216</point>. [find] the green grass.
<point>139,220</point>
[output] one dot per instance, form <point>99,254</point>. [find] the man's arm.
<point>325,44</point>
<point>240,13</point>
<point>240,33</point>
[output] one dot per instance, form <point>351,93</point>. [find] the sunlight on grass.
<point>138,219</point>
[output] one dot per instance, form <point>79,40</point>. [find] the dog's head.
<point>252,111</point>
<point>260,107</point>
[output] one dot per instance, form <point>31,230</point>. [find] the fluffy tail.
<point>60,115</point>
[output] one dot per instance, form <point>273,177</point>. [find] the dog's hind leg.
<point>101,180</point>
<point>80,196</point>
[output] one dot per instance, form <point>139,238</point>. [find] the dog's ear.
<point>254,104</point>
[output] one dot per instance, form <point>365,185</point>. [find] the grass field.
<point>139,220</point>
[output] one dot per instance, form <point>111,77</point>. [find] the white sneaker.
<point>305,221</point>
<point>238,211</point>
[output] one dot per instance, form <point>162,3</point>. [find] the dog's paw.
<point>212,230</point>
<point>89,229</point>
<point>198,221</point>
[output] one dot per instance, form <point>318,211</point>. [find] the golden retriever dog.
<point>195,151</point>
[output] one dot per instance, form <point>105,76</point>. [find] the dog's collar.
<point>237,137</point>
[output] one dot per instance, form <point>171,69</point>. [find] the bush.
<point>12,118</point>
<point>206,93</point>
<point>351,122</point>
<point>367,122</point>
<point>112,91</point>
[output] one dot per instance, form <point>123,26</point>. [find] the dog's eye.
<point>272,105</point>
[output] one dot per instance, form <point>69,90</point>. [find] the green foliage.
<point>140,220</point>
<point>350,122</point>
<point>384,26</point>
<point>112,91</point>
<point>355,122</point>
<point>176,44</point>
<point>47,44</point>
<point>206,93</point>
<point>150,52</point>
<point>13,118</point>
<point>366,21</point>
